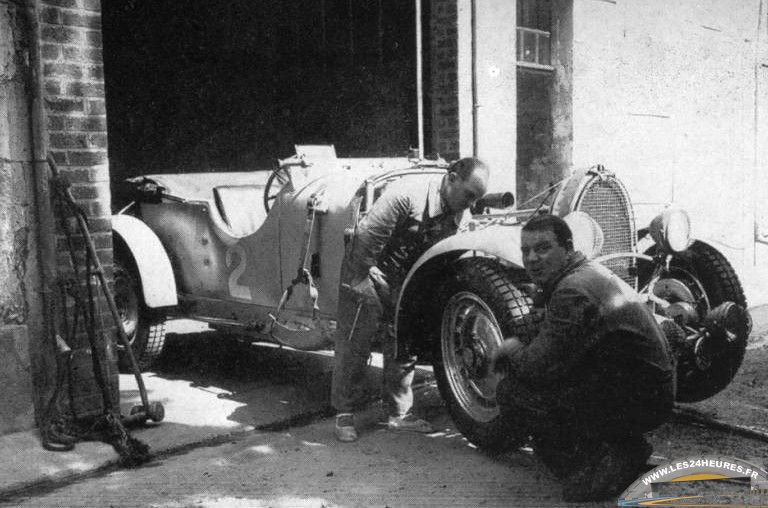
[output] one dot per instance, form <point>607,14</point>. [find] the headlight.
<point>671,230</point>
<point>587,234</point>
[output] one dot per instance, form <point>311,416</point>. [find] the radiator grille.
<point>605,201</point>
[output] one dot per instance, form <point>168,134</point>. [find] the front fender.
<point>499,241</point>
<point>154,267</point>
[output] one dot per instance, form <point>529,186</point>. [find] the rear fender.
<point>152,262</point>
<point>501,242</point>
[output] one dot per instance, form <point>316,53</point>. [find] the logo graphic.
<point>706,480</point>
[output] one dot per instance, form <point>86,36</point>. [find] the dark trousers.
<point>575,419</point>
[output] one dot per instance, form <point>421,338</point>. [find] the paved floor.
<point>208,396</point>
<point>211,388</point>
<point>304,467</point>
<point>198,408</point>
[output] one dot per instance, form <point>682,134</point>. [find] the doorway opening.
<point>229,86</point>
<point>537,166</point>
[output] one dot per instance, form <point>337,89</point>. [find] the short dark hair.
<point>466,166</point>
<point>558,226</point>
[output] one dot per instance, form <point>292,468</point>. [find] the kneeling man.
<point>597,376</point>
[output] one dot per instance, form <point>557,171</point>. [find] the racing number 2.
<point>237,290</point>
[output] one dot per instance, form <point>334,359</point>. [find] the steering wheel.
<point>275,183</point>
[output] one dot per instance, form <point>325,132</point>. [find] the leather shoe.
<point>345,428</point>
<point>409,423</point>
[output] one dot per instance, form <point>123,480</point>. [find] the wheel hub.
<point>682,313</point>
<point>475,357</point>
<point>673,290</point>
<point>723,326</point>
<point>127,303</point>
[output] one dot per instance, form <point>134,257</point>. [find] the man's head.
<point>465,183</point>
<point>546,243</point>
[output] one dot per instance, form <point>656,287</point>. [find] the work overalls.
<point>367,313</point>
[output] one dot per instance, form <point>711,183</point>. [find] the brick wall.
<point>444,78</point>
<point>73,77</point>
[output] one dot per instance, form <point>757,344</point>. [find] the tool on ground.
<point>53,430</point>
<point>110,425</point>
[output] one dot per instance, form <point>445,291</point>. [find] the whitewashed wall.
<point>495,82</point>
<point>665,94</point>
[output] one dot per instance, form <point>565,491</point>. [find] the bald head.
<point>465,167</point>
<point>465,183</point>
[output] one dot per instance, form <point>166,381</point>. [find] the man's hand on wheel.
<point>500,359</point>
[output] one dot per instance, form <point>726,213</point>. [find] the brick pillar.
<point>73,77</point>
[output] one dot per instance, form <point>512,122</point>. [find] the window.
<point>537,164</point>
<point>534,20</point>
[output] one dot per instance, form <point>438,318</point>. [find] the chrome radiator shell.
<point>600,194</point>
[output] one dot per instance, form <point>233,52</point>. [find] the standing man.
<point>596,377</point>
<point>410,216</point>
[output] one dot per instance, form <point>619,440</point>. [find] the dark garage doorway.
<point>229,86</point>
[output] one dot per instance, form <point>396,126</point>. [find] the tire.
<point>144,327</point>
<point>481,307</point>
<point>718,279</point>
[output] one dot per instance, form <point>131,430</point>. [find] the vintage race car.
<point>259,254</point>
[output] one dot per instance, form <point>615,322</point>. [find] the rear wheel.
<point>144,327</point>
<point>482,307</point>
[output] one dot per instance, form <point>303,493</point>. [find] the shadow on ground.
<point>264,378</point>
<point>214,385</point>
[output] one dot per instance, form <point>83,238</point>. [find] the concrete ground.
<point>273,390</point>
<point>305,467</point>
<point>284,385</point>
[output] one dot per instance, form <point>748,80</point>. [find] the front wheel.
<point>481,308</point>
<point>702,281</point>
<point>144,327</point>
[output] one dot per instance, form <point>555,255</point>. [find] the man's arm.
<point>567,332</point>
<point>391,209</point>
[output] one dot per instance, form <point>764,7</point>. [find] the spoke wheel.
<point>480,306</point>
<point>471,335</point>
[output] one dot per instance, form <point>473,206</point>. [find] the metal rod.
<point>354,321</point>
<point>756,166</point>
<point>692,416</point>
<point>419,81</point>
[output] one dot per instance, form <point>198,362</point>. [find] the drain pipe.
<point>419,81</point>
<point>473,58</point>
<point>46,236</point>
